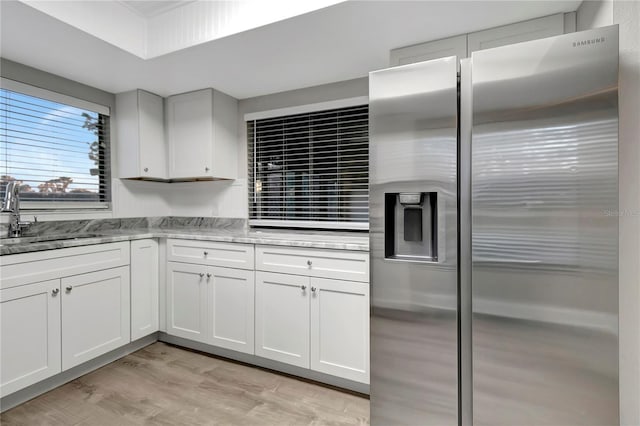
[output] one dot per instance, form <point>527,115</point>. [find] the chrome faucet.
<point>12,204</point>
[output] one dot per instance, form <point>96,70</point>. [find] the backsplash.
<point>58,227</point>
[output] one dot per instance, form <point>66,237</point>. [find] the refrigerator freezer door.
<point>545,231</point>
<point>413,150</point>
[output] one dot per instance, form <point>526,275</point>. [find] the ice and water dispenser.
<point>411,226</point>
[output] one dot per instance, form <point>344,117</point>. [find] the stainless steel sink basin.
<point>45,238</point>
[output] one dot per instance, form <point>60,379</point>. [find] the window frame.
<point>49,95</point>
<point>301,109</point>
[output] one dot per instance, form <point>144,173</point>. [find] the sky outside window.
<point>51,148</point>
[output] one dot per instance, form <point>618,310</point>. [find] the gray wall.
<point>18,72</point>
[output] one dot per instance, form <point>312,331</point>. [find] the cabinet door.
<point>153,159</point>
<point>140,130</point>
<point>187,301</point>
<point>231,308</point>
<point>30,339</point>
<point>144,288</point>
<point>190,134</point>
<point>282,318</point>
<point>95,314</point>
<point>340,328</point>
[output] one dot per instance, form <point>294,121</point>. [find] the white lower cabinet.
<point>187,299</point>
<point>144,288</point>
<point>230,308</point>
<point>211,305</point>
<point>30,330</point>
<point>95,314</point>
<point>316,323</point>
<point>282,318</point>
<point>340,328</point>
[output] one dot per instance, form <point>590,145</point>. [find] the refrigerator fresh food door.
<point>545,231</point>
<point>413,234</point>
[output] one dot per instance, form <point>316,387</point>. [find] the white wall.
<point>627,15</point>
<point>594,14</point>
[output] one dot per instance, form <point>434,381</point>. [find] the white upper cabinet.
<point>140,135</point>
<point>202,135</point>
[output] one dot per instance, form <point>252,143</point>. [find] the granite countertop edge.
<point>352,243</point>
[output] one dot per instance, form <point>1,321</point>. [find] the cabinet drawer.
<point>337,264</point>
<point>18,269</point>
<point>231,255</point>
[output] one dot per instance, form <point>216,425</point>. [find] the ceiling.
<point>340,42</point>
<point>151,8</point>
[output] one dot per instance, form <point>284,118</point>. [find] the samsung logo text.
<point>588,42</point>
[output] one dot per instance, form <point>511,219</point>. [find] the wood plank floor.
<point>165,385</point>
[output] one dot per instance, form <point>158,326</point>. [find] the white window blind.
<point>58,152</point>
<point>310,170</point>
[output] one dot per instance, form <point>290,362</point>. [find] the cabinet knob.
<point>55,291</point>
<point>313,289</point>
<point>206,253</point>
<point>309,263</point>
<point>69,288</point>
<point>146,169</point>
<point>208,275</point>
<point>206,169</point>
<point>303,287</point>
<point>201,274</point>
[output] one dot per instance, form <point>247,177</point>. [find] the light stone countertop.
<point>290,238</point>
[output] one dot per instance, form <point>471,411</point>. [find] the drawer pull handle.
<point>206,253</point>
<point>201,274</point>
<point>69,288</point>
<point>303,287</point>
<point>313,289</point>
<point>55,291</point>
<point>208,276</point>
<point>309,263</point>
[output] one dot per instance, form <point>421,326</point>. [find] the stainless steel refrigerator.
<point>494,236</point>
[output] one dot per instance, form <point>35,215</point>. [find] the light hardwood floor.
<point>166,385</point>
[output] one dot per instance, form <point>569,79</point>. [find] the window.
<point>310,169</point>
<point>55,146</point>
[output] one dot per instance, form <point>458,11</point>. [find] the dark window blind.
<point>310,169</point>
<point>58,153</point>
